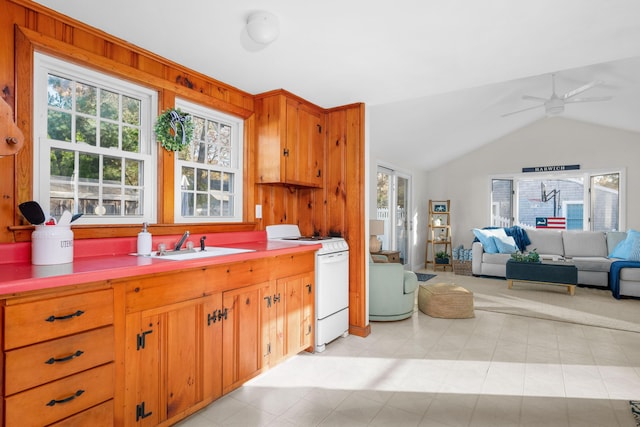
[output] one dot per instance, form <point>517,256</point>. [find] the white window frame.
<point>586,174</point>
<point>45,65</point>
<point>237,150</point>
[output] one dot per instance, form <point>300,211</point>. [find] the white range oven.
<point>332,281</point>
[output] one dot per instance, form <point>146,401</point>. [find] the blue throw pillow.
<point>485,237</point>
<point>505,245</point>
<point>634,252</point>
<point>623,249</point>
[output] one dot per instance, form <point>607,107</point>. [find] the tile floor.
<point>492,370</point>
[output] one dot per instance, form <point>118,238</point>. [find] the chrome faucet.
<point>184,237</point>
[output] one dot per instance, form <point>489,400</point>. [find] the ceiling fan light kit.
<point>554,105</point>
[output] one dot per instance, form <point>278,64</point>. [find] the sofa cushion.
<point>592,263</point>
<point>546,242</point>
<point>495,258</point>
<point>584,243</point>
<point>614,238</point>
<point>485,237</point>
<point>631,274</point>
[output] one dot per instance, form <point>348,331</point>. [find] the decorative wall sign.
<point>439,208</point>
<point>552,168</point>
<point>174,129</point>
<point>551,222</point>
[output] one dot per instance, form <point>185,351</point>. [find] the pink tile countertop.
<point>101,259</point>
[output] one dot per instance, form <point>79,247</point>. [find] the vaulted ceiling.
<point>433,74</point>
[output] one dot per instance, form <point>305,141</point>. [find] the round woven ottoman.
<point>445,300</point>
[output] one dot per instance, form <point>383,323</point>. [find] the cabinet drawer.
<point>98,416</point>
<point>43,320</point>
<point>143,293</point>
<point>55,401</point>
<point>41,363</point>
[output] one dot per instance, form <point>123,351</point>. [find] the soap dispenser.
<point>144,241</point>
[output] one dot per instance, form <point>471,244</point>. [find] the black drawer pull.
<point>65,359</point>
<point>54,402</point>
<point>53,318</point>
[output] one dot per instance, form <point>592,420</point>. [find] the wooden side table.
<point>392,256</point>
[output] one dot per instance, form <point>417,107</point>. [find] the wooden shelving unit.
<point>439,238</point>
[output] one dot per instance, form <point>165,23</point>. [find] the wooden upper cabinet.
<point>290,140</point>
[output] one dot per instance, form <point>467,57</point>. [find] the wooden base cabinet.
<point>58,358</point>
<point>174,360</point>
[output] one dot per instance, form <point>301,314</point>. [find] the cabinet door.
<point>245,334</point>
<point>173,360</point>
<point>294,313</point>
<point>305,158</point>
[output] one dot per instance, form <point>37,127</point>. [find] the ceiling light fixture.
<point>263,27</point>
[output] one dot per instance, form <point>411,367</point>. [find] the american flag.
<point>551,222</point>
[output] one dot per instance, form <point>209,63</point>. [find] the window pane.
<point>133,173</point>
<point>130,139</point>
<point>215,180</point>
<point>201,205</point>
<point>605,202</point>
<point>187,204</point>
<point>59,92</point>
<point>130,110</point>
<point>59,126</point>
<point>544,198</point>
<point>89,167</point>
<point>501,209</point>
<point>62,164</point>
<point>109,105</point>
<point>112,170</point>
<point>133,201</point>
<point>86,130</point>
<point>203,183</point>
<point>86,99</point>
<point>187,178</point>
<point>108,135</point>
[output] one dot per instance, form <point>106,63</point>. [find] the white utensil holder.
<point>51,244</point>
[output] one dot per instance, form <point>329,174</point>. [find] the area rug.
<point>423,277</point>
<point>635,410</point>
<point>589,306</point>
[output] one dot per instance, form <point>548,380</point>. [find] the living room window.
<point>209,171</point>
<point>93,152</point>
<point>579,201</point>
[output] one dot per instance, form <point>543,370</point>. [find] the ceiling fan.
<point>555,104</point>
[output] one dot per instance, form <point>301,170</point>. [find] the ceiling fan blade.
<point>581,89</point>
<point>591,99</point>
<point>520,111</point>
<point>534,98</point>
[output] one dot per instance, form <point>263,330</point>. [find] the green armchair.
<point>392,291</point>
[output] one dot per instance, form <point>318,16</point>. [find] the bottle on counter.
<point>144,241</point>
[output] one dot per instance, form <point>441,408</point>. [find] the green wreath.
<point>174,129</point>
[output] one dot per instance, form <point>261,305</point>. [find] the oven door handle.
<point>335,257</point>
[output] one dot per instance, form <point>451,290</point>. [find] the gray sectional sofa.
<point>589,251</point>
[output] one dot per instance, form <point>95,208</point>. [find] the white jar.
<point>51,244</point>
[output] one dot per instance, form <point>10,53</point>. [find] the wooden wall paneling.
<point>23,179</point>
<point>8,200</point>
<point>335,176</point>
<point>166,168</point>
<point>249,172</point>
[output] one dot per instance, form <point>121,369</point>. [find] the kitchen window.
<point>208,172</point>
<point>93,150</point>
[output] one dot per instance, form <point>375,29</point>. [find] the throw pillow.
<point>505,245</point>
<point>623,249</point>
<point>485,237</point>
<point>634,253</point>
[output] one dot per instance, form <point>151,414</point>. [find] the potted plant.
<point>532,256</point>
<point>442,257</point>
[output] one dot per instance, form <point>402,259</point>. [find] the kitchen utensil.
<point>65,219</point>
<point>76,216</point>
<point>32,211</point>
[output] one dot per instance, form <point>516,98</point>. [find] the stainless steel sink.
<point>209,251</point>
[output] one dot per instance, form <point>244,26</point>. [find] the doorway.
<point>392,206</point>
